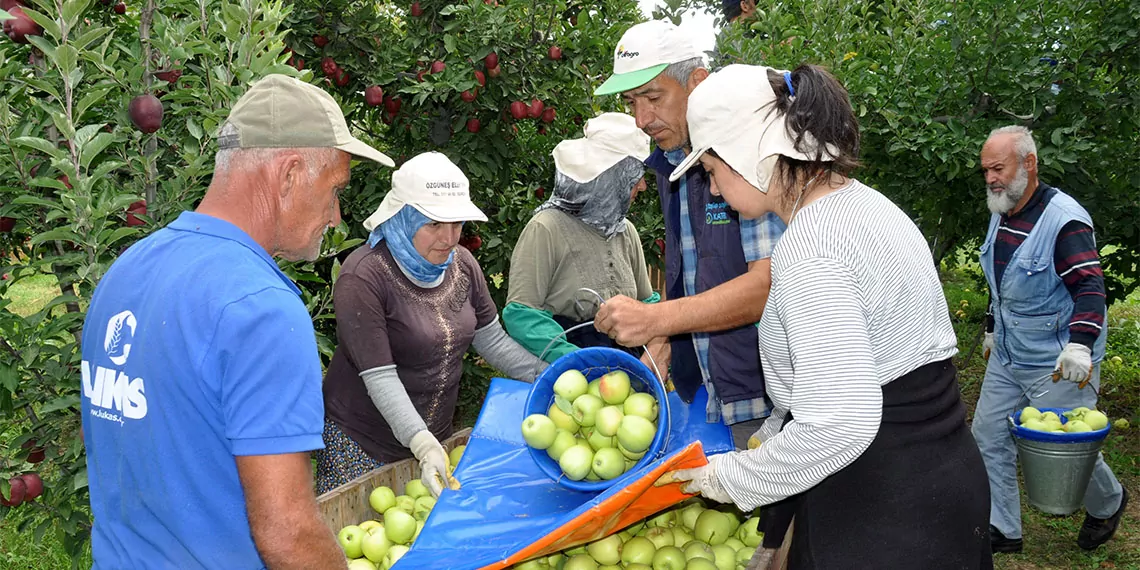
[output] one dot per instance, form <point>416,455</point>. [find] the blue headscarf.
<point>399,231</point>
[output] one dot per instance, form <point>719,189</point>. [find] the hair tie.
<point>788,82</point>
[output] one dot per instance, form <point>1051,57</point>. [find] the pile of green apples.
<point>1079,420</point>
<point>690,536</point>
<point>595,430</point>
<point>377,545</point>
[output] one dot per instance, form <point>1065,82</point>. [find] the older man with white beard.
<point>1046,315</point>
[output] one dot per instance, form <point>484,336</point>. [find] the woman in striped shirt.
<point>869,446</point>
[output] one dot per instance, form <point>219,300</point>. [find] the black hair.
<point>731,9</point>
<point>821,108</point>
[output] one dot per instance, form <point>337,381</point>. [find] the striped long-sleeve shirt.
<point>856,303</point>
<point>1075,257</point>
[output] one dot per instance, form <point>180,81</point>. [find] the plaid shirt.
<point>758,238</point>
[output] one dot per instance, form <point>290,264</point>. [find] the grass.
<point>1050,541</point>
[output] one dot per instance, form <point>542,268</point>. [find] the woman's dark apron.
<point>918,497</point>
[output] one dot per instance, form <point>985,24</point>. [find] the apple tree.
<point>929,80</point>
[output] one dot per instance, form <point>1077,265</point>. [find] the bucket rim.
<point>1047,437</point>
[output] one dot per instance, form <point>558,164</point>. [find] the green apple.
<point>570,385</point>
<point>539,564</point>
<point>423,507</point>
<point>713,527</point>
<point>562,419</point>
<point>370,526</point>
<point>1047,416</point>
<point>581,549</point>
<point>637,527</point>
<point>382,499</point>
<point>608,420</point>
<point>580,562</point>
<point>606,550</point>
<point>562,441</point>
<point>641,404</point>
<point>700,564</point>
<point>1030,413</point>
<point>1054,424</point>
<point>724,557</point>
<point>669,558</point>
<point>575,462</point>
<point>586,408</point>
<point>593,388</point>
<point>399,526</point>
<point>351,539</point>
<point>416,489</point>
<point>1077,426</point>
<point>681,537</point>
<point>419,529</point>
<point>636,433</point>
<point>697,549</point>
<point>361,564</point>
<point>690,514</point>
<point>456,454</point>
<point>660,536</point>
<point>625,535</point>
<point>375,546</point>
<point>610,567</point>
<point>734,543</point>
<point>1035,424</point>
<point>615,387</point>
<point>539,431</point>
<point>638,550</point>
<point>394,555</point>
<point>598,441</point>
<point>749,532</point>
<point>744,556</point>
<point>406,503</point>
<point>608,463</point>
<point>665,519</point>
<point>556,560</point>
<point>1096,420</point>
<point>638,567</point>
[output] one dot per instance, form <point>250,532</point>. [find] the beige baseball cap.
<point>432,184</point>
<point>610,138</point>
<point>644,51</point>
<point>280,111</point>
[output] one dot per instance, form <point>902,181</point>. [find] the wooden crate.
<point>348,504</point>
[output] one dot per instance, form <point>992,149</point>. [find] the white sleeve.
<point>836,402</point>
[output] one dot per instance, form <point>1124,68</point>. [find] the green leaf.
<point>195,130</point>
<point>67,57</point>
<point>4,15</point>
<point>49,25</point>
<point>61,403</point>
<point>79,481</point>
<point>119,234</point>
<point>9,379</point>
<point>92,149</point>
<point>62,234</point>
<point>41,145</point>
<point>93,95</point>
<point>449,43</point>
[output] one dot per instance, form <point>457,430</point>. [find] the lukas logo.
<point>622,54</point>
<point>112,392</point>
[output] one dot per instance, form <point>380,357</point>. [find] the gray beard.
<point>1003,202</point>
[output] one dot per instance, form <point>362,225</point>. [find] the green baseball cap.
<point>643,52</point>
<point>280,111</point>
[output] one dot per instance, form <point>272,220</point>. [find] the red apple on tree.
<point>17,490</point>
<point>467,96</point>
<point>35,452</point>
<point>548,115</point>
<point>438,67</point>
<point>120,8</point>
<point>329,66</point>
<point>480,78</point>
<point>494,71</point>
<point>7,224</point>
<point>518,110</point>
<point>374,95</point>
<point>146,113</point>
<point>34,486</point>
<point>473,125</point>
<point>139,208</point>
<point>392,105</point>
<point>542,129</point>
<point>535,109</point>
<point>420,75</point>
<point>661,244</point>
<point>21,26</point>
<point>492,60</point>
<point>554,53</point>
<point>540,192</point>
<point>417,11</point>
<point>343,78</point>
<point>320,40</point>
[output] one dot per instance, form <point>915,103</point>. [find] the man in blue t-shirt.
<point>201,378</point>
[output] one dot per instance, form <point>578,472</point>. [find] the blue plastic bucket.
<point>1057,467</point>
<point>595,362</point>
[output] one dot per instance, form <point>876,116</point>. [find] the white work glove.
<point>433,461</point>
<point>1075,363</point>
<point>988,345</point>
<point>703,480</point>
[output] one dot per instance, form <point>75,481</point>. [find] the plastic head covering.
<point>426,188</point>
<point>595,175</point>
<point>734,112</point>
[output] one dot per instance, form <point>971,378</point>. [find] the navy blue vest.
<point>734,354</point>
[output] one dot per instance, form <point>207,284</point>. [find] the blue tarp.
<point>507,503</point>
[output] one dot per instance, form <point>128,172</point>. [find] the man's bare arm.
<point>287,527</point>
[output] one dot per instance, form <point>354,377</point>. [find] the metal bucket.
<point>1056,467</point>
